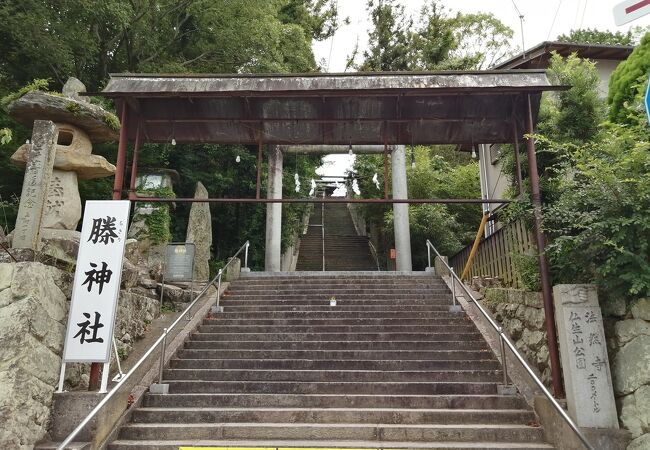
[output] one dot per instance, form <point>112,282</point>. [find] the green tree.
<point>594,36</point>
<point>437,41</point>
<point>481,39</point>
<point>625,79</point>
<point>600,225</point>
<point>389,43</point>
<point>434,39</point>
<point>91,39</point>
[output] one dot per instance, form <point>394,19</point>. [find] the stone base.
<point>507,389</point>
<point>69,409</point>
<point>216,309</point>
<point>159,388</point>
<point>430,270</point>
<point>61,244</point>
<point>245,269</point>
<point>455,308</point>
<point>558,433</point>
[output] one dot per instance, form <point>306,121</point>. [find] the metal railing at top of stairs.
<point>162,342</point>
<point>375,255</point>
<point>505,341</point>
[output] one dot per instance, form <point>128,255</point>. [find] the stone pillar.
<point>401,210</point>
<point>273,248</point>
<point>585,365</point>
<point>40,162</point>
<point>199,232</point>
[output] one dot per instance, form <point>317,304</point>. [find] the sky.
<point>543,20</point>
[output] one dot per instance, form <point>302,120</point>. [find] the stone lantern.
<point>55,211</point>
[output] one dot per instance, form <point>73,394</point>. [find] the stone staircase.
<point>387,367</point>
<point>344,249</point>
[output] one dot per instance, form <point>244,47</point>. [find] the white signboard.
<point>630,10</point>
<point>97,281</point>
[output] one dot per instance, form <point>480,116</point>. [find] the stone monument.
<point>151,242</point>
<point>58,156</point>
<point>199,231</point>
<point>585,365</point>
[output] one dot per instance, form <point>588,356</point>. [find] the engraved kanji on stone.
<point>591,317</point>
<point>594,339</point>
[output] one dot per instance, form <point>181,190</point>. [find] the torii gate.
<point>386,109</point>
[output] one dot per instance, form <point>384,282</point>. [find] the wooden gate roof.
<point>356,108</point>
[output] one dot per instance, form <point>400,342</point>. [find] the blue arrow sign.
<point>647,101</point>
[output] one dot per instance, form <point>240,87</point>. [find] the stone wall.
<point>521,313</point>
<point>34,300</point>
<point>627,328</point>
<point>33,314</point>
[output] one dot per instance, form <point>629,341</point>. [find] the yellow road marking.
<point>275,448</point>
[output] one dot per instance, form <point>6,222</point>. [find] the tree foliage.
<point>439,40</point>
<point>438,173</point>
<point>389,40</point>
<point>51,39</point>
<point>601,223</point>
<point>91,39</point>
<point>594,36</point>
<point>624,82</point>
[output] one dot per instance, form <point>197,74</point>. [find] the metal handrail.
<point>232,258</point>
<point>505,341</point>
<point>161,340</point>
<point>373,250</point>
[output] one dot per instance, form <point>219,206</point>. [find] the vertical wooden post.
<point>517,158</point>
<point>121,155</point>
<point>385,163</point>
<point>547,293</point>
<point>134,164</point>
<point>259,170</point>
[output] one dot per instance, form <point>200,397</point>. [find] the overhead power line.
<point>554,18</point>
<point>521,21</point>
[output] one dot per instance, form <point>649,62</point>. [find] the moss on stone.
<point>112,121</point>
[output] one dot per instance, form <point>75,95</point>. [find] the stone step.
<point>324,278</point>
<point>373,432</point>
<point>333,364</point>
<point>330,415</point>
<point>339,387</point>
<point>248,400</point>
<point>380,305</point>
<point>326,320</point>
<point>280,291</point>
<point>361,327</point>
<point>324,306</point>
<point>438,376</point>
<point>337,345</point>
<point>339,296</point>
<point>431,355</point>
<point>125,444</point>
<point>379,337</point>
<point>335,317</point>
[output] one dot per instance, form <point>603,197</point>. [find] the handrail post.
<point>246,255</point>
<point>428,255</point>
<point>453,285</point>
<point>218,289</point>
<point>504,366</point>
<point>163,347</point>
